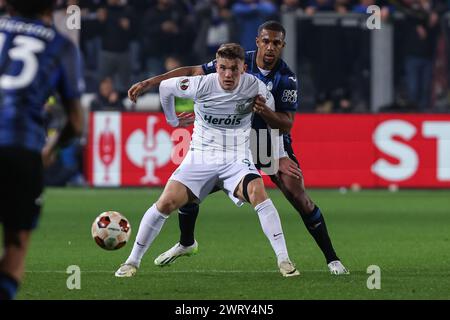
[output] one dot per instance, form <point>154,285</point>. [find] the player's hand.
<point>136,90</point>
<point>260,104</point>
<point>186,119</point>
<point>290,168</point>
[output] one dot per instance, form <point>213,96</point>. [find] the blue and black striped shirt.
<point>35,62</point>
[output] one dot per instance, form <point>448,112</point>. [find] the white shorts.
<point>202,176</point>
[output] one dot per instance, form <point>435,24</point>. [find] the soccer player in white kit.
<point>219,153</point>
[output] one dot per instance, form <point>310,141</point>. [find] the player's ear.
<point>245,67</point>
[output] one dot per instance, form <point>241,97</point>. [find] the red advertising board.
<point>145,149</point>
<point>140,149</point>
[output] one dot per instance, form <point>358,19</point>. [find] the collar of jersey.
<point>255,69</point>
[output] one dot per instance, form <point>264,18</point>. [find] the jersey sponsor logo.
<point>289,96</point>
<point>184,84</point>
<point>294,79</point>
<point>228,121</point>
<point>244,106</point>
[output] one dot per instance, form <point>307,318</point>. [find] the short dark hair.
<point>272,25</point>
<point>231,51</point>
<point>29,8</point>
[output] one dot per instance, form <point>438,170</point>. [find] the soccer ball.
<point>111,230</point>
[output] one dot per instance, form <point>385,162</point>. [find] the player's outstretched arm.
<point>143,86</point>
<point>276,120</point>
<point>168,90</point>
<point>186,119</point>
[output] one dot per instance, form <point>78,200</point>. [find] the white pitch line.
<point>175,271</point>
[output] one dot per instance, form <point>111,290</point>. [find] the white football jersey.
<point>222,118</point>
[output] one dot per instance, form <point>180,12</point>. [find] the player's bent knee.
<point>295,191</point>
<point>256,192</point>
<point>174,196</point>
<point>244,185</point>
<point>167,205</point>
<point>295,185</point>
<point>304,202</point>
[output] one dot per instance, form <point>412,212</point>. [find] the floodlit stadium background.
<point>373,88</point>
<point>372,134</point>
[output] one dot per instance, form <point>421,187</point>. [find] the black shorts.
<point>21,186</point>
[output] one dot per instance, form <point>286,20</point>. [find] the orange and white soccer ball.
<point>111,230</point>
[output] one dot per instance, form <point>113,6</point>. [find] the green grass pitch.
<point>405,233</point>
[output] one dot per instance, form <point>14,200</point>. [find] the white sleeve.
<point>278,144</point>
<point>264,92</point>
<point>182,87</point>
<point>270,101</point>
<point>281,153</point>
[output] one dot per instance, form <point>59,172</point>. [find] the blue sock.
<point>315,223</point>
<point>8,287</point>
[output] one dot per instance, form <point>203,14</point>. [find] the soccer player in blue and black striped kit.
<point>266,64</point>
<point>35,62</point>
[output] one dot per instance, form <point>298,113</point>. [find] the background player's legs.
<point>187,216</point>
<point>174,196</point>
<point>294,191</point>
<point>20,189</point>
<point>12,263</point>
<point>254,192</point>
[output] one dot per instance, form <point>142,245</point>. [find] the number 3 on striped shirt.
<point>24,50</point>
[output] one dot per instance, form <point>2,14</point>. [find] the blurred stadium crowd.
<point>125,41</point>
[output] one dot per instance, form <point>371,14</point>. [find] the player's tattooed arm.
<point>186,119</point>
<point>143,86</point>
<point>276,120</point>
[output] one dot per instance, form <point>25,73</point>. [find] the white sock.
<point>271,225</point>
<point>150,226</point>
